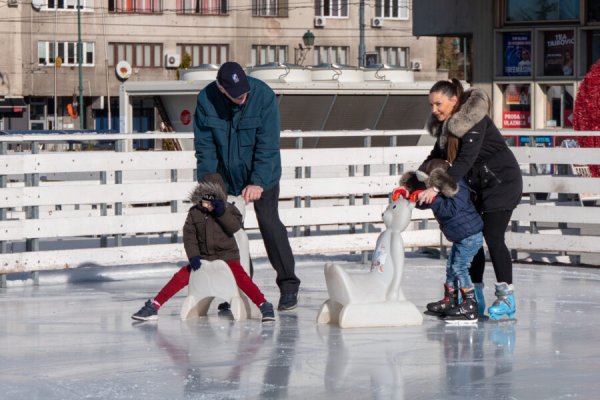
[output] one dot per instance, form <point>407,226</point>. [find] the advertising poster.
<point>517,53</point>
<point>559,50</point>
<point>516,112</point>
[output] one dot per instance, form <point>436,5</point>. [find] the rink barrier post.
<point>365,199</point>
<point>103,208</point>
<point>297,175</point>
<point>174,207</point>
<point>120,146</point>
<point>3,182</point>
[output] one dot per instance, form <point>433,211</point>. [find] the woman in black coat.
<point>469,140</point>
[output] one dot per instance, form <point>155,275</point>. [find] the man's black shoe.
<point>288,301</point>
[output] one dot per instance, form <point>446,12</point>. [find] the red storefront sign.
<point>516,119</point>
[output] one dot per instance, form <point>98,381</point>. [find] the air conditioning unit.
<point>172,60</point>
<point>377,22</point>
<point>13,3</point>
<point>415,65</point>
<point>319,22</point>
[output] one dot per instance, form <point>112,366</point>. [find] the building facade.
<point>529,55</point>
<point>147,40</point>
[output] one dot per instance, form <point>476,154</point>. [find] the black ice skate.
<point>450,300</point>
<point>464,313</point>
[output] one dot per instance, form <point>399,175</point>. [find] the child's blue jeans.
<point>459,261</point>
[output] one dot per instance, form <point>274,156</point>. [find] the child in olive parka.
<point>208,235</point>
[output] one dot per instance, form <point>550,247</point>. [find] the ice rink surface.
<point>72,338</point>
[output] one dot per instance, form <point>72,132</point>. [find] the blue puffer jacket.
<point>456,214</point>
<point>241,143</point>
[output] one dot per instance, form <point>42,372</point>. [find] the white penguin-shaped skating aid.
<point>215,280</point>
<point>375,298</point>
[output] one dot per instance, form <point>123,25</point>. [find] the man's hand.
<point>427,196</point>
<point>252,193</point>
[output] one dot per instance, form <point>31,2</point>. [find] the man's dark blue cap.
<point>232,78</point>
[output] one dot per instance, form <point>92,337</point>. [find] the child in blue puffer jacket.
<point>462,225</point>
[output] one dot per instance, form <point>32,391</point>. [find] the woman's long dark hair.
<point>450,88</point>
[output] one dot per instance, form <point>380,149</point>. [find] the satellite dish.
<point>123,70</point>
<point>37,4</point>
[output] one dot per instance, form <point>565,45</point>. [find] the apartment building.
<point>145,40</point>
<point>530,55</point>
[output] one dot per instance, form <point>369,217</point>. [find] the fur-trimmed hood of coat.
<point>437,178</point>
<point>212,183</point>
<point>473,109</point>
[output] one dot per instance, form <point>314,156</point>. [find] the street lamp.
<point>309,40</point>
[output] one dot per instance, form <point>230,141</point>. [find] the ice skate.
<point>504,304</point>
<point>464,313</point>
<point>461,322</point>
<point>439,307</point>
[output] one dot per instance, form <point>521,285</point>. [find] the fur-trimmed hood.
<point>473,109</point>
<point>212,183</point>
<point>431,174</point>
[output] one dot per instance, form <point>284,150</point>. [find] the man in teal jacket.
<point>236,133</point>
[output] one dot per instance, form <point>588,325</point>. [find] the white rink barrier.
<point>81,199</point>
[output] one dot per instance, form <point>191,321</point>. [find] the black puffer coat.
<point>484,159</point>
<point>207,235</point>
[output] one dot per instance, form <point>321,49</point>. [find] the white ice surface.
<point>72,338</point>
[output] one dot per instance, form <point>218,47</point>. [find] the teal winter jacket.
<point>241,143</point>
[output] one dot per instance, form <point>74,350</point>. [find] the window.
<point>270,8</point>
<point>135,6</point>
<point>85,5</point>
<point>205,53</point>
<point>593,11</point>
<point>262,54</point>
<point>47,52</point>
<point>391,9</point>
<point>559,106</point>
<point>37,114</point>
<point>536,10</point>
<point>331,55</point>
<point>139,55</point>
<point>593,48</point>
<point>559,51</point>
<point>396,56</point>
<point>516,106</point>
<point>202,7</point>
<point>331,8</point>
<point>517,54</point>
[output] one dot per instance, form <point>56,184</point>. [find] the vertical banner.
<point>559,50</point>
<point>517,53</point>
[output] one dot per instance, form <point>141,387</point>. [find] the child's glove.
<point>400,192</point>
<point>195,263</point>
<point>414,196</point>
<point>218,207</point>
